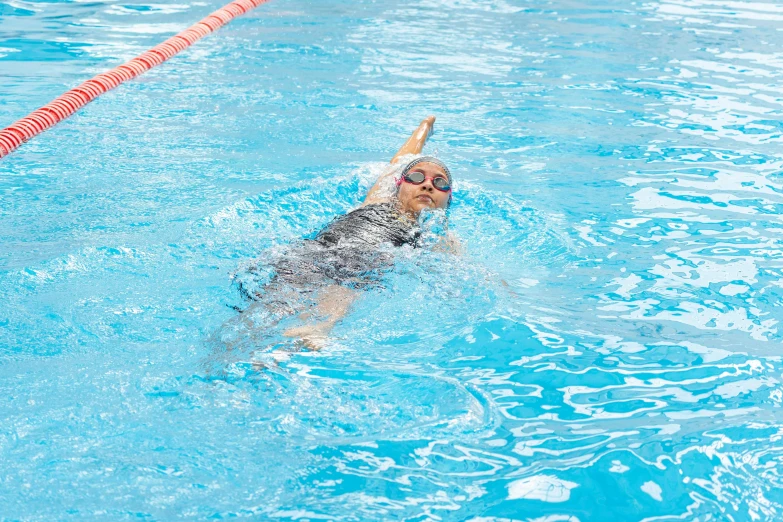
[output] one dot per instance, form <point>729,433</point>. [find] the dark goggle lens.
<point>441,184</point>
<point>417,178</point>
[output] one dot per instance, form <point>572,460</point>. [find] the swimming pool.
<point>618,163</point>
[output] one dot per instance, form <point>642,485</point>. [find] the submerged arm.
<point>449,244</point>
<point>413,146</point>
<point>332,304</point>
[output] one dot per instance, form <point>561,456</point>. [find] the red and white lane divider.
<point>65,105</point>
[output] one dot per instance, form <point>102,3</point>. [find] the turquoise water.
<point>619,166</point>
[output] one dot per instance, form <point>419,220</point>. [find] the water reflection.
<point>610,338</point>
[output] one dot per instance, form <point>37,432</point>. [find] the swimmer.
<point>351,252</point>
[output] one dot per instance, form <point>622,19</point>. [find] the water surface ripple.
<point>606,348</point>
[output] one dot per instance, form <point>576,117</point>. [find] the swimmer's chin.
<point>416,205</point>
<point>419,203</point>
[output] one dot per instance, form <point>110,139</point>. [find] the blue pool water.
<point>619,165</point>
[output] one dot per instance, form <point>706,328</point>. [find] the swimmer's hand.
<point>449,244</point>
<point>417,140</point>
<point>312,336</point>
<point>333,303</point>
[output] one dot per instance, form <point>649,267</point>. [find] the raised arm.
<point>417,140</point>
<point>413,146</point>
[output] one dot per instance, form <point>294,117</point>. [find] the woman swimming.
<point>353,251</point>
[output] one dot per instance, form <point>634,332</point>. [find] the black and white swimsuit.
<point>349,250</point>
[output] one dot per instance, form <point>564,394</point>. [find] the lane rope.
<point>66,104</point>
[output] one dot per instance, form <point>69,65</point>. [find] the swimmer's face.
<point>415,198</point>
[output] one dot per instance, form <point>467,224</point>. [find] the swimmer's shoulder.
<point>375,200</point>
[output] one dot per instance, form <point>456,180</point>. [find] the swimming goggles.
<point>417,178</point>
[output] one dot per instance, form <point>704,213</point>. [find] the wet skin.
<point>415,198</point>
